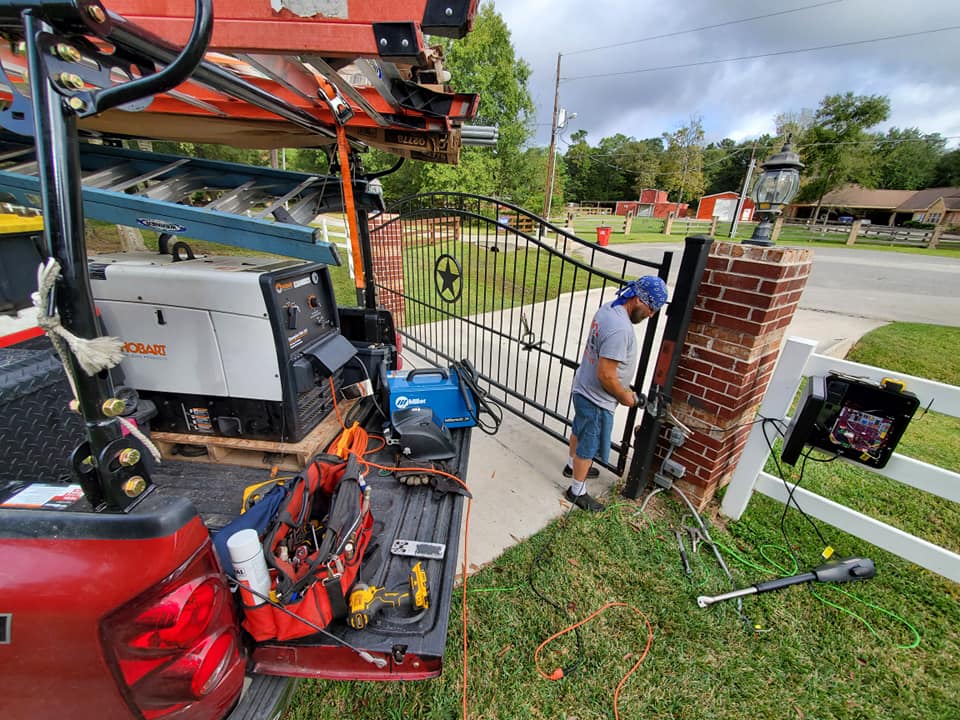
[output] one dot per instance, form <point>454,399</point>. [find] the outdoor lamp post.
<point>776,186</point>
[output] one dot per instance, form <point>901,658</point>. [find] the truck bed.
<point>400,512</point>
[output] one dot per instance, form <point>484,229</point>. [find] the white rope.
<point>138,434</point>
<point>93,356</point>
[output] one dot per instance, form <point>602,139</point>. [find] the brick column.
<point>386,239</point>
<point>747,299</point>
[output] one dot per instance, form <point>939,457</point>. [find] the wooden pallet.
<point>255,453</point>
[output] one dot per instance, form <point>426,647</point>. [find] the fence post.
<point>777,227</point>
<point>628,223</point>
<point>668,223</point>
<point>854,231</point>
<point>776,403</point>
<point>935,238</point>
<point>713,226</point>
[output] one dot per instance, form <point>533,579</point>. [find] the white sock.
<point>570,462</point>
<point>578,488</point>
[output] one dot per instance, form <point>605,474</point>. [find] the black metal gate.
<point>487,281</point>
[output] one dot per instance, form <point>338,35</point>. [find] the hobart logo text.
<point>132,348</point>
<point>403,402</point>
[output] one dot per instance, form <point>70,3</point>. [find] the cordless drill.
<point>366,602</point>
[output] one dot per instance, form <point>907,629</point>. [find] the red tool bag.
<point>314,547</point>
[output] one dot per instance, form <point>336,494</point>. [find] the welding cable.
<point>474,395</point>
<point>558,673</point>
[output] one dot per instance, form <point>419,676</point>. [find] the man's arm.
<point>610,381</point>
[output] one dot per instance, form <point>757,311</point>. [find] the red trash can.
<point>603,235</point>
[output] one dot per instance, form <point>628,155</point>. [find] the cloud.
<point>735,99</point>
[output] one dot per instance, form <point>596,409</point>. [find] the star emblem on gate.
<point>448,278</point>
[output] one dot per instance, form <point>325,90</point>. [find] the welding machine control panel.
<point>302,304</point>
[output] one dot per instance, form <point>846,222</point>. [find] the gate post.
<point>679,311</point>
<point>386,235</point>
<point>747,300</point>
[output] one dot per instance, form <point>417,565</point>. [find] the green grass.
<point>490,281</point>
<point>805,660</point>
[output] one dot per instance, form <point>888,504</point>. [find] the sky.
<point>739,99</point>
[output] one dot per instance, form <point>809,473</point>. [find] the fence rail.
<point>797,361</point>
<point>878,234</point>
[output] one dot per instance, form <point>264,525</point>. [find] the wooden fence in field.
<point>858,231</point>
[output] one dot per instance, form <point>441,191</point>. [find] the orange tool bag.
<point>313,547</point>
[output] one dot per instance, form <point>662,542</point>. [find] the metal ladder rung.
<point>280,201</point>
<point>232,198</point>
<point>106,177</point>
<point>134,181</point>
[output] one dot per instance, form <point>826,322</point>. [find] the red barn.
<point>652,203</point>
<point>724,205</point>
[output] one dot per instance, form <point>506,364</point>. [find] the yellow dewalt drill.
<point>366,602</point>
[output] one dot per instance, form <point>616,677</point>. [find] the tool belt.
<point>313,547</point>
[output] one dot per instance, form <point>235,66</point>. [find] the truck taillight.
<point>178,642</point>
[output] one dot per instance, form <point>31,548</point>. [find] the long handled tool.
<point>837,571</point>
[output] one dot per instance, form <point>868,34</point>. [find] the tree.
<point>485,62</point>
<point>835,148</point>
<point>682,166</point>
<point>578,163</point>
<point>644,162</point>
<point>947,172</point>
<point>907,159</point>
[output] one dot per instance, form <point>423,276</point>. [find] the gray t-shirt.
<point>611,336</point>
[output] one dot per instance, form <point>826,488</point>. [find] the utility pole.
<point>551,159</point>
<point>743,193</point>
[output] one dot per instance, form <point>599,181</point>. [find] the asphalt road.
<point>885,286</point>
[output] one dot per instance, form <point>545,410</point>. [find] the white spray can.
<point>249,567</point>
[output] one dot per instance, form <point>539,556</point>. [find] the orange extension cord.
<point>356,440</point>
<point>558,673</point>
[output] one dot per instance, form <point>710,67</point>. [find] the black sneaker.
<point>591,473</point>
<point>584,502</point>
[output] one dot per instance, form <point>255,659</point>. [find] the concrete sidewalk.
<point>516,475</point>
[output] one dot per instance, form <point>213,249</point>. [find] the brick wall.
<point>386,239</point>
<point>747,299</point>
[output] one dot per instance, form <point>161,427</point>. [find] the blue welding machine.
<point>439,389</point>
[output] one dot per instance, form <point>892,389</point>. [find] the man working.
<point>603,380</point>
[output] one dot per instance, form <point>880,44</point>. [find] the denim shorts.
<point>593,427</point>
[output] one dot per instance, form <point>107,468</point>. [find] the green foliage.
<point>681,168</point>
<point>907,159</point>
<point>485,62</point>
<point>947,172</point>
<point>831,149</point>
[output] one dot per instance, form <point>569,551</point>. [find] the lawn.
<point>798,657</point>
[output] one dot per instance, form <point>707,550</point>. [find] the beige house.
<point>878,206</point>
<point>937,206</point>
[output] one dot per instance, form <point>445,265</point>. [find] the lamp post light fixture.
<point>776,186</point>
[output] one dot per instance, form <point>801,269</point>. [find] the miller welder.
<point>231,346</point>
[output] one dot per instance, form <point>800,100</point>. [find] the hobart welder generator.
<point>230,346</point>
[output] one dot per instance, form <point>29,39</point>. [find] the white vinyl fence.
<point>797,361</point>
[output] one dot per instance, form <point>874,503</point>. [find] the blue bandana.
<point>649,289</point>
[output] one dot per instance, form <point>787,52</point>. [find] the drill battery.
<point>438,389</point>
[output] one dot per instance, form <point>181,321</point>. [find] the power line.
<point>762,55</point>
<point>703,27</point>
